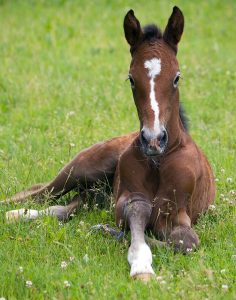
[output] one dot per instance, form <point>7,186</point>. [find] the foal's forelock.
<point>153,67</point>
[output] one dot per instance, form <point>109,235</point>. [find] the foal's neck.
<point>176,131</point>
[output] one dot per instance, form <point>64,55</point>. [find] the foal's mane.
<point>183,117</point>
<point>152,33</point>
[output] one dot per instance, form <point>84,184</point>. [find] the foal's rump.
<point>97,162</point>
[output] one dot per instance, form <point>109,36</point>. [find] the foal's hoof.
<point>184,239</point>
<point>144,277</point>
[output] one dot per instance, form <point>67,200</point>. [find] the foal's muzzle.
<point>153,145</point>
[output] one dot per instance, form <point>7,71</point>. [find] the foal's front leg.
<point>135,210</point>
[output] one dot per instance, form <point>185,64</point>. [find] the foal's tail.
<point>64,182</point>
<point>24,195</point>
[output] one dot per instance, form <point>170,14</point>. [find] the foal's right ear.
<point>132,29</point>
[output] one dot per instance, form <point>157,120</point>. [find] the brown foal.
<point>161,179</point>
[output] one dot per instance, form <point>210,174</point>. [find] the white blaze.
<point>154,68</point>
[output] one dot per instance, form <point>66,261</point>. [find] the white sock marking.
<point>154,68</point>
<point>26,214</point>
<point>140,258</point>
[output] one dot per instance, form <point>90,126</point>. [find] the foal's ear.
<point>132,29</point>
<point>174,28</point>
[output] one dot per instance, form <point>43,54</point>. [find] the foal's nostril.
<point>162,138</point>
<point>143,138</point>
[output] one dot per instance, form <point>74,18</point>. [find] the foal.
<point>161,179</point>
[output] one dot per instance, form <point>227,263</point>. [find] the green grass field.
<point>62,88</point>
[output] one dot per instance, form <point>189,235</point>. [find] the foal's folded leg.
<point>62,213</point>
<point>92,164</point>
<point>183,238</point>
<point>136,214</point>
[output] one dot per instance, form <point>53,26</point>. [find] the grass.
<point>62,82</point>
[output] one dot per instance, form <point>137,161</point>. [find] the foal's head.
<point>154,75</point>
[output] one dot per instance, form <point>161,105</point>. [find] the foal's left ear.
<point>132,29</point>
<point>174,28</point>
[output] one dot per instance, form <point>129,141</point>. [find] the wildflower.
<point>64,264</point>
<point>212,207</point>
<point>2,298</point>
<point>222,271</point>
<point>72,145</point>
<point>232,192</point>
<point>72,258</point>
<point>20,269</point>
<point>70,114</point>
<point>216,179</point>
<point>229,179</point>
<point>60,223</point>
<point>67,284</point>
<point>189,249</point>
<point>28,283</point>
<point>81,223</point>
<point>86,258</point>
<point>181,241</point>
<point>159,278</point>
<point>224,286</point>
<point>85,206</point>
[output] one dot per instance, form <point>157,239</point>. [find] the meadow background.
<point>63,66</point>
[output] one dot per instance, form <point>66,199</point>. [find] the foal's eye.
<point>131,81</point>
<point>176,80</point>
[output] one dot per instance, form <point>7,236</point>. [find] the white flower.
<point>159,278</point>
<point>81,223</point>
<point>212,207</point>
<point>163,282</point>
<point>28,283</point>
<point>216,179</point>
<point>181,241</point>
<point>189,249</point>
<point>72,258</point>
<point>70,113</point>
<point>86,258</point>
<point>67,284</point>
<point>64,264</point>
<point>85,206</point>
<point>2,298</point>
<point>229,179</point>
<point>222,271</point>
<point>20,269</point>
<point>72,145</point>
<point>224,286</point>
<point>232,192</point>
